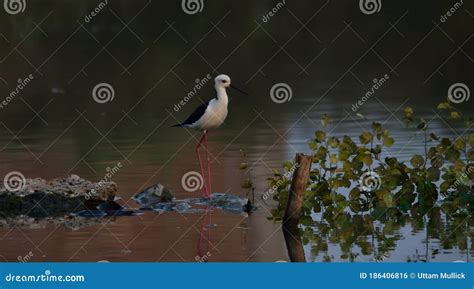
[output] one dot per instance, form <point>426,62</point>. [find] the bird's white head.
<point>222,80</point>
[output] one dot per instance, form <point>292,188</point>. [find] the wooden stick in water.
<point>297,190</point>
<point>293,208</point>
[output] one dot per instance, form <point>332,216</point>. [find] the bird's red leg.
<point>209,182</point>
<point>206,191</point>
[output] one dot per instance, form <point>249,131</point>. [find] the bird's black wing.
<point>196,115</point>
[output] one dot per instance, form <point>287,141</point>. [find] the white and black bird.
<point>209,116</point>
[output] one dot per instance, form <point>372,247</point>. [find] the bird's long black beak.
<point>238,89</point>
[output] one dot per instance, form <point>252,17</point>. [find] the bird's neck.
<point>222,95</point>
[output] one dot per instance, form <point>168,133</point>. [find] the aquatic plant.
<point>357,190</point>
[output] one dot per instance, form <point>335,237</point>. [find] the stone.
<point>152,195</point>
<point>69,186</point>
<point>39,198</point>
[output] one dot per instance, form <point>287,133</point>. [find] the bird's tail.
<point>177,125</point>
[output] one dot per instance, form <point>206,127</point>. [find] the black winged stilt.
<point>209,116</point>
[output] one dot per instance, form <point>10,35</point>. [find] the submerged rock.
<point>90,214</point>
<point>153,195</point>
<point>100,213</point>
<point>158,198</point>
<point>109,206</point>
<point>226,202</point>
<point>39,198</point>
<point>230,203</point>
<point>178,206</point>
<point>70,186</point>
<point>222,199</point>
<point>80,198</point>
<point>39,205</point>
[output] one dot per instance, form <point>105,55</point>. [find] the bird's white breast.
<point>214,116</point>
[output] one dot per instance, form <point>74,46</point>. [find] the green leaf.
<point>433,174</point>
<point>354,194</point>
<point>343,154</point>
<point>444,187</point>
<point>471,139</point>
<point>367,160</point>
<point>444,105</point>
<point>365,137</point>
<point>437,161</point>
<point>408,120</point>
<point>459,166</point>
<point>452,155</point>
<point>322,152</point>
<point>288,165</point>
<point>455,115</point>
<point>341,183</point>
<point>470,155</point>
<point>408,110</point>
<point>388,141</point>
<point>320,136</point>
<point>333,142</point>
<point>459,144</point>
<point>377,127</point>
<point>325,120</point>
<point>417,161</point>
<point>388,199</point>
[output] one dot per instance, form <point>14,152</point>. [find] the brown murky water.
<point>54,127</point>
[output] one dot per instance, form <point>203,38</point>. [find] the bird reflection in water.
<point>204,243</point>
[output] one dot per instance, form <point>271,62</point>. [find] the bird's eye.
<point>224,81</point>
